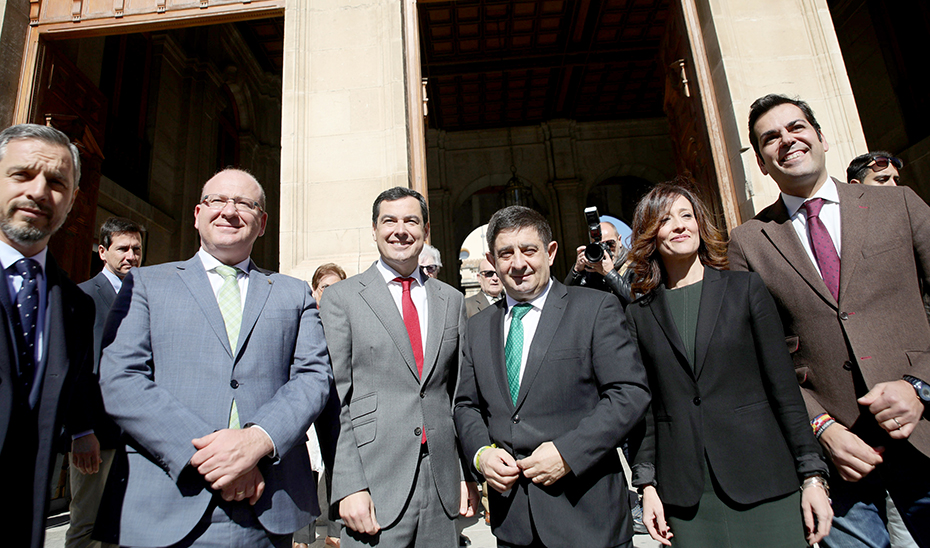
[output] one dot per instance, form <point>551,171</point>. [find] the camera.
<point>594,252</point>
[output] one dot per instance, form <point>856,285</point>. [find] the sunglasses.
<point>488,273</point>
<point>881,163</point>
<point>430,268</point>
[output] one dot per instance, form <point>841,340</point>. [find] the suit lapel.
<point>437,305</point>
<point>662,314</point>
<point>194,276</point>
<point>496,340</point>
<point>549,322</point>
<point>376,294</point>
<point>259,288</point>
<point>854,220</point>
<point>105,289</point>
<point>712,292</point>
<point>54,366</point>
<point>781,233</point>
<point>7,304</point>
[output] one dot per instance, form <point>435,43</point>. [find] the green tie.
<point>230,302</point>
<point>513,350</point>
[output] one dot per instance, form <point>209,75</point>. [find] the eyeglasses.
<point>487,273</point>
<point>881,163</point>
<point>241,203</point>
<point>430,268</point>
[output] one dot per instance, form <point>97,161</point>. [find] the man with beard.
<point>46,348</point>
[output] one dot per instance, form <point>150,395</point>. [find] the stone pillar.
<point>569,228</point>
<point>343,130</point>
<point>14,26</point>
<point>755,48</point>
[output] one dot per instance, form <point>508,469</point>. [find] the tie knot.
<point>813,207</point>
<point>520,310</point>
<point>404,282</point>
<point>227,271</point>
<point>27,268</point>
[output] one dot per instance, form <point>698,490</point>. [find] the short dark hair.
<point>645,261</point>
<point>515,218</point>
<point>397,193</point>
<point>46,134</point>
<point>859,167</point>
<point>324,270</point>
<point>764,104</point>
<point>117,225</point>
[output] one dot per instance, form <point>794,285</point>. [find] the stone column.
<point>343,130</point>
<point>14,26</point>
<point>569,229</point>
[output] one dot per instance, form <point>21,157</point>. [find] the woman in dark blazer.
<point>727,440</point>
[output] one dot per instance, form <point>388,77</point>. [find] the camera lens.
<point>594,253</point>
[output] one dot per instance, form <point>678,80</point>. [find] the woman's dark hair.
<point>645,261</point>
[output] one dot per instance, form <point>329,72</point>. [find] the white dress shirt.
<point>216,280</point>
<point>829,215</point>
<point>114,280</point>
<point>417,294</point>
<point>530,323</point>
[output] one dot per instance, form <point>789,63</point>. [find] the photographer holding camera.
<point>600,264</point>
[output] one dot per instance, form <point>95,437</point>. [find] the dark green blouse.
<point>684,304</point>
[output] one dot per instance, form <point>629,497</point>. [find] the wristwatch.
<point>922,388</point>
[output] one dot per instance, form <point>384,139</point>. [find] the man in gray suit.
<point>215,370</point>
<point>394,337</point>
<point>491,289</point>
<point>120,250</point>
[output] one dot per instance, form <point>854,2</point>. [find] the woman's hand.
<point>816,511</point>
<point>654,517</point>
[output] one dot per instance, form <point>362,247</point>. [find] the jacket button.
<point>844,316</point>
<point>848,365</point>
<point>516,419</point>
<point>422,395</point>
<point>234,384</point>
<point>417,431</point>
<point>696,401</point>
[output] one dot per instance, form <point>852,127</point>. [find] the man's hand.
<point>654,517</point>
<point>85,454</point>
<point>545,465</point>
<point>358,512</point>
<point>853,458</point>
<point>227,454</point>
<point>250,486</point>
<point>499,468</point>
<point>816,512</point>
<point>470,499</point>
<point>896,407</point>
<point>603,267</point>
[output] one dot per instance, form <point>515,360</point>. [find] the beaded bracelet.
<point>818,421</point>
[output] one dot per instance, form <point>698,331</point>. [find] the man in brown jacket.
<point>843,263</point>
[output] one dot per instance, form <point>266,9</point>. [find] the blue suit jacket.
<point>168,376</point>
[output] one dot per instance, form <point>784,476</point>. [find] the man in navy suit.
<point>46,348</point>
<point>120,250</point>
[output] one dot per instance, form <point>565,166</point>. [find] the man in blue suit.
<point>46,344</point>
<point>214,370</point>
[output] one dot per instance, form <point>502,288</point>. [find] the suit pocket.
<point>567,354</point>
<point>751,407</point>
<point>793,343</point>
<point>363,405</point>
<point>365,431</point>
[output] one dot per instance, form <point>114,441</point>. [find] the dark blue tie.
<point>27,304</point>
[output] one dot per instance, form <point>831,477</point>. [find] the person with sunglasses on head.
<point>491,290</point>
<point>610,273</point>
<point>878,168</point>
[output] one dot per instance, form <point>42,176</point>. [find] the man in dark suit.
<point>394,337</point>
<point>541,409</point>
<point>491,289</point>
<point>120,249</point>
<point>844,264</point>
<point>214,369</point>
<point>46,342</point>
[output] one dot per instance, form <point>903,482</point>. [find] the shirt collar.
<point>210,262</point>
<point>389,273</point>
<point>827,192</point>
<point>114,280</point>
<point>537,303</point>
<point>9,255</point>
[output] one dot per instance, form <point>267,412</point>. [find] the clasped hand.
<point>545,466</point>
<point>227,459</point>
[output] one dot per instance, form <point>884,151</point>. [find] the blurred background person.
<point>608,274</point>
<point>491,289</point>
<point>430,261</point>
<point>727,440</point>
<point>877,168</point>
<point>325,276</point>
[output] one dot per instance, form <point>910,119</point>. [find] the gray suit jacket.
<point>878,326</point>
<point>475,304</point>
<point>169,376</point>
<point>384,402</point>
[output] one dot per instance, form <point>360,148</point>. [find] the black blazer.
<point>101,291</point>
<point>66,369</point>
<point>740,407</point>
<point>583,388</point>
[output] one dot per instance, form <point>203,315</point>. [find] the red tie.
<point>822,246</point>
<point>412,323</point>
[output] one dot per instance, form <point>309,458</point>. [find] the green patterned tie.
<point>230,301</point>
<point>513,350</point>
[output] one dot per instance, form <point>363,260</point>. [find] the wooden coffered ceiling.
<point>493,63</point>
